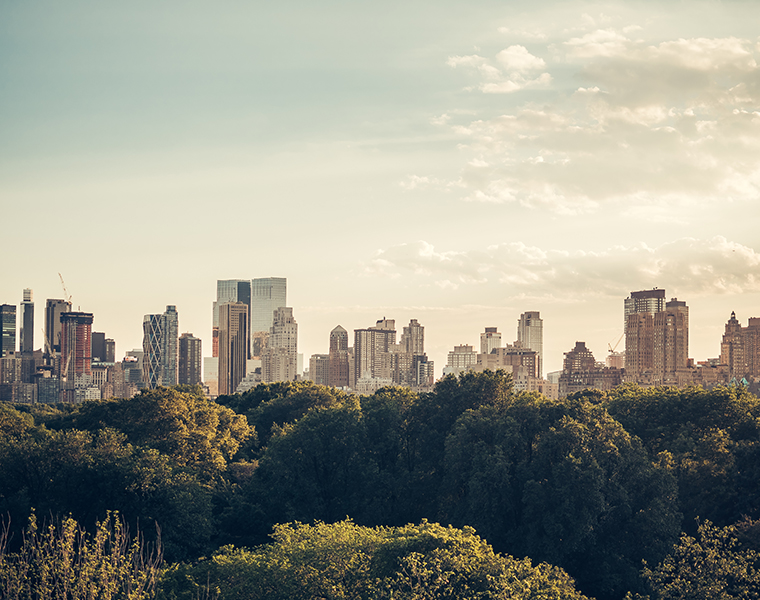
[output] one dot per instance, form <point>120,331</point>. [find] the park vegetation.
<point>474,490</point>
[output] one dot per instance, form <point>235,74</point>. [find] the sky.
<point>455,163</point>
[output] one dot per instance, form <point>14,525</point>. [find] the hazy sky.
<point>458,163</point>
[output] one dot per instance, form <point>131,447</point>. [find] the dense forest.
<point>294,490</point>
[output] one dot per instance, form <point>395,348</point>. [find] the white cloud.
<point>685,266</point>
<point>517,58</point>
<point>676,119</point>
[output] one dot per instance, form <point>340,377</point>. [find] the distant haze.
<point>457,163</point>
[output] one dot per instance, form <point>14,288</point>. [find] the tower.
<point>279,361</point>
<point>413,338</point>
<point>53,309</point>
<point>189,359</point>
<point>338,375</point>
<point>657,344</point>
<point>233,345</point>
<point>76,353</point>
<point>267,295</point>
<point>229,290</point>
<point>372,348</point>
<point>27,323</point>
<point>489,340</point>
<point>7,329</point>
<point>160,348</point>
<point>530,333</point>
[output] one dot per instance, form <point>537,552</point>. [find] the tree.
<point>184,425</point>
<point>709,439</point>
<point>63,562</point>
<point>561,483</point>
<point>86,475</point>
<point>713,566</point>
<point>343,560</point>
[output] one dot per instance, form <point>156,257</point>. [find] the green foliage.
<point>65,563</point>
<point>713,566</point>
<point>184,425</point>
<point>343,560</point>
<point>562,483</point>
<point>277,404</point>
<point>709,439</point>
<point>87,474</point>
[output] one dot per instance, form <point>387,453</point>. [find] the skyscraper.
<point>160,335</point>
<point>53,309</point>
<point>740,348</point>
<point>372,350</point>
<point>279,361</point>
<point>229,290</point>
<point>233,345</point>
<point>7,329</point>
<point>413,338</point>
<point>99,346</point>
<point>645,301</point>
<point>339,370</point>
<point>76,353</point>
<point>489,340</point>
<point>657,345</point>
<point>530,333</point>
<point>267,295</point>
<point>27,322</point>
<point>189,359</point>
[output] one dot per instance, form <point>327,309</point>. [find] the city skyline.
<point>455,164</point>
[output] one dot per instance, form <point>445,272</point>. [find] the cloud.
<point>621,122</point>
<point>686,266</point>
<point>517,58</point>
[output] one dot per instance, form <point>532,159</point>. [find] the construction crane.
<point>66,295</point>
<point>612,348</point>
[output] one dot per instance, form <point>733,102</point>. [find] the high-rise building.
<point>372,350</point>
<point>53,309</point>
<point>76,353</point>
<point>462,358</point>
<point>279,361</point>
<point>189,359</point>
<point>489,340</point>
<point>413,338</point>
<point>740,348</point>
<point>580,371</point>
<point>657,345</point>
<point>7,329</point>
<point>530,333</point>
<point>99,346</point>
<point>644,301</point>
<point>160,343</point>
<point>339,369</point>
<point>233,345</point>
<point>27,322</point>
<point>229,290</point>
<point>267,295</point>
<point>319,368</point>
<point>110,350</point>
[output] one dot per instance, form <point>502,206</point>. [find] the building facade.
<point>160,348</point>
<point>53,309</point>
<point>740,349</point>
<point>339,370</point>
<point>530,333</point>
<point>27,323</point>
<point>267,295</point>
<point>279,361</point>
<point>233,345</point>
<point>7,329</point>
<point>190,358</point>
<point>76,354</point>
